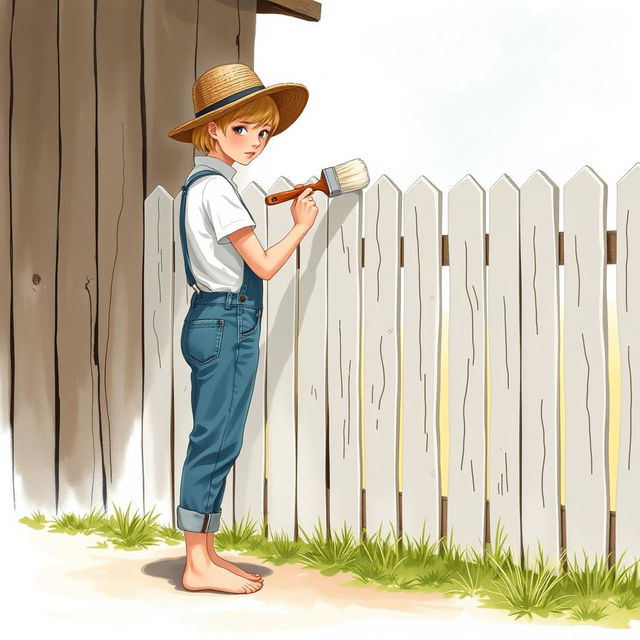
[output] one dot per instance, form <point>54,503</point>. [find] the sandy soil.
<point>60,581</point>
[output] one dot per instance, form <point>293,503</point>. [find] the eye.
<point>237,130</point>
<point>265,131</point>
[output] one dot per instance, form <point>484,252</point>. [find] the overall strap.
<point>183,207</point>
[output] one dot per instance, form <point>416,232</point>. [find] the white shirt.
<point>214,210</point>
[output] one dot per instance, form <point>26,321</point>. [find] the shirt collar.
<point>215,163</point>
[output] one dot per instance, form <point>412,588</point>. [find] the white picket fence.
<point>328,394</point>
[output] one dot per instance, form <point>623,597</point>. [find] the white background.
<point>450,87</point>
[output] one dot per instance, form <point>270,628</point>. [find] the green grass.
<point>590,592</point>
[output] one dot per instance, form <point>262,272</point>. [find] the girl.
<point>235,116</point>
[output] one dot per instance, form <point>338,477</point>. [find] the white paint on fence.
<point>281,382</point>
<point>312,344</point>
<point>628,307</point>
<point>300,308</point>
<point>158,353</point>
<point>586,388</point>
<point>503,314</point>
<point>467,406</point>
<point>422,317</point>
<point>381,355</point>
<point>540,367</point>
<point>343,361</point>
<point>182,413</point>
<point>249,468</point>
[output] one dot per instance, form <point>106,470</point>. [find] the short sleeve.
<point>224,208</point>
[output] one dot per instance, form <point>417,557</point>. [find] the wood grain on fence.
<point>344,321</point>
<point>586,389</point>
<point>503,326</point>
<point>6,361</point>
<point>422,318</point>
<point>540,367</point>
<point>467,362</point>
<point>34,212</point>
<point>311,409</point>
<point>120,199</point>
<point>80,465</point>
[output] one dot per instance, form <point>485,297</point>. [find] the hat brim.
<point>290,98</point>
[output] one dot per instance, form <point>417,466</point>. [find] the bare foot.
<point>229,566</point>
<point>217,578</point>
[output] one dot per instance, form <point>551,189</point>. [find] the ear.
<point>213,130</point>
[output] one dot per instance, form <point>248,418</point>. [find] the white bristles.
<point>352,175</point>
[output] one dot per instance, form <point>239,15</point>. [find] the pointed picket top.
<point>424,186</point>
<point>504,185</point>
<point>253,189</point>
<point>586,176</point>
<point>385,185</point>
<point>466,185</point>
<point>539,179</point>
<point>159,192</point>
<point>633,175</point>
<point>281,184</point>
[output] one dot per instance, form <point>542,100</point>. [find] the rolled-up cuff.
<point>199,522</point>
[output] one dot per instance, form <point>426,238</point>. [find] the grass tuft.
<point>131,532</point>
<point>36,520</point>
<point>588,611</point>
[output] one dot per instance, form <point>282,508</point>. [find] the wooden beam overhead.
<point>303,9</point>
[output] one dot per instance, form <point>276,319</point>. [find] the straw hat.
<point>228,86</point>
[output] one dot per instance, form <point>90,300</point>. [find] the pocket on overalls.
<point>203,339</point>
<point>249,321</point>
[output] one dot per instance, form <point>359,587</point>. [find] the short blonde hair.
<point>263,111</point>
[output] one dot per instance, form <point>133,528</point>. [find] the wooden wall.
<point>89,92</point>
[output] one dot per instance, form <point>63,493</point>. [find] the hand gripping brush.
<point>346,177</point>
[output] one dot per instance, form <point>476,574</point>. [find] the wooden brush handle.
<point>283,196</point>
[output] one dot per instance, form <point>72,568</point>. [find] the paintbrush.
<point>343,178</point>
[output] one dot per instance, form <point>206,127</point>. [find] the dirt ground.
<point>58,584</point>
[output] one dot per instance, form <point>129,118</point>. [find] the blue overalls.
<point>220,342</point>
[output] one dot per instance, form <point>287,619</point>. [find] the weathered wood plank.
<point>281,292</point>
<point>381,355</point>
<point>586,388</point>
<point>503,311</point>
<point>226,32</point>
<point>120,235</point>
<point>343,361</point>
<point>422,211</point>
<point>169,72</point>
<point>6,364</point>
<point>81,462</point>
<point>34,215</point>
<point>628,310</point>
<point>540,383</point>
<point>311,499</point>
<point>467,411</point>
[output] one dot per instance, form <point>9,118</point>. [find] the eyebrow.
<point>254,125</point>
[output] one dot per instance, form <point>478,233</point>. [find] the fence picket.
<point>281,291</point>
<point>381,355</point>
<point>311,496</point>
<point>422,317</point>
<point>158,354</point>
<point>540,367</point>
<point>586,388</point>
<point>628,307</point>
<point>503,311</point>
<point>343,361</point>
<point>467,419</point>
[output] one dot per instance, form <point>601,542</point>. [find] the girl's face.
<point>242,142</point>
